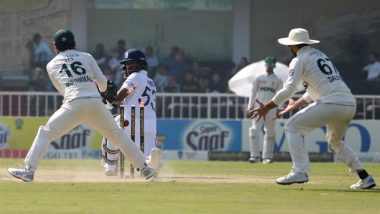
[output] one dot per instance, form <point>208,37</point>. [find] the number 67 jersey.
<point>319,76</point>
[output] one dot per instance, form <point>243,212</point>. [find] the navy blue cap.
<point>133,55</point>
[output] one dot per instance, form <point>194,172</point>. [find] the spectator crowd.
<point>174,73</point>
<point>177,72</point>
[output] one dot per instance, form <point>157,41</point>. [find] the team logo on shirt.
<point>291,72</point>
<point>130,85</point>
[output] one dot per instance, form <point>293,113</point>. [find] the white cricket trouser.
<point>149,138</point>
<point>91,112</point>
<point>269,135</point>
<point>336,117</point>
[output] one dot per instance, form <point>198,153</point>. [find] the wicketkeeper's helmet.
<point>134,60</point>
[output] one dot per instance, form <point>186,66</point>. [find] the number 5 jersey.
<point>141,90</point>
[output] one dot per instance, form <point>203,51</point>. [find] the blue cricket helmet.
<point>134,55</point>
<point>134,60</point>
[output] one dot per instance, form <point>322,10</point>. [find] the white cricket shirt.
<point>264,87</point>
<point>74,73</point>
<point>143,89</point>
<point>319,76</point>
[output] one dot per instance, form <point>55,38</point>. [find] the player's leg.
<point>269,136</point>
<point>309,118</point>
<point>336,129</point>
<point>101,119</point>
<point>62,121</point>
<point>152,153</point>
<point>254,140</point>
<point>110,154</point>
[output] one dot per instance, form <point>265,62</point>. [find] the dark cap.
<point>64,39</point>
<point>133,55</point>
<point>270,60</point>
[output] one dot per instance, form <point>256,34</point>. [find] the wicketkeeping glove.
<point>110,93</point>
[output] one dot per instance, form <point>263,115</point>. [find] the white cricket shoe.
<point>254,159</point>
<point>110,169</point>
<point>267,160</point>
<point>148,173</point>
<point>292,178</point>
<point>24,174</point>
<point>367,183</point>
<point>154,159</point>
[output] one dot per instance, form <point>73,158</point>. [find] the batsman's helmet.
<point>64,40</point>
<point>134,60</point>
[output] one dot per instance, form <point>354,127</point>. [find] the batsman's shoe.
<point>24,174</point>
<point>267,160</point>
<point>110,169</point>
<point>254,159</point>
<point>292,178</point>
<point>148,173</point>
<point>367,183</point>
<point>154,159</point>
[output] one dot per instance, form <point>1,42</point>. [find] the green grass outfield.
<point>79,186</point>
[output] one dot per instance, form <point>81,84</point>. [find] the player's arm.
<point>292,105</point>
<point>122,94</point>
<point>99,77</point>
<point>54,81</point>
<point>127,88</point>
<point>290,87</point>
<point>252,98</point>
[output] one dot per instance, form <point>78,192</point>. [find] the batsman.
<point>137,90</point>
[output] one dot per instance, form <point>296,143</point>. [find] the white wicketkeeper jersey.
<point>74,73</point>
<point>321,79</point>
<point>142,89</point>
<point>264,88</point>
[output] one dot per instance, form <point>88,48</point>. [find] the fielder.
<point>137,89</point>
<point>76,76</point>
<point>264,88</point>
<point>330,103</point>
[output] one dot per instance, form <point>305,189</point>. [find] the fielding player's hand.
<point>288,108</point>
<point>259,112</point>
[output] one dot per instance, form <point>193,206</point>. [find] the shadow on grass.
<point>303,188</point>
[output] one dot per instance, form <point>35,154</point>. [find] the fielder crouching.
<point>137,89</point>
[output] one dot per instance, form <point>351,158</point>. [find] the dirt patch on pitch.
<point>43,175</point>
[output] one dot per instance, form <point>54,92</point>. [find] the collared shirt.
<point>74,73</point>
<point>319,76</point>
<point>141,88</point>
<point>264,87</point>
